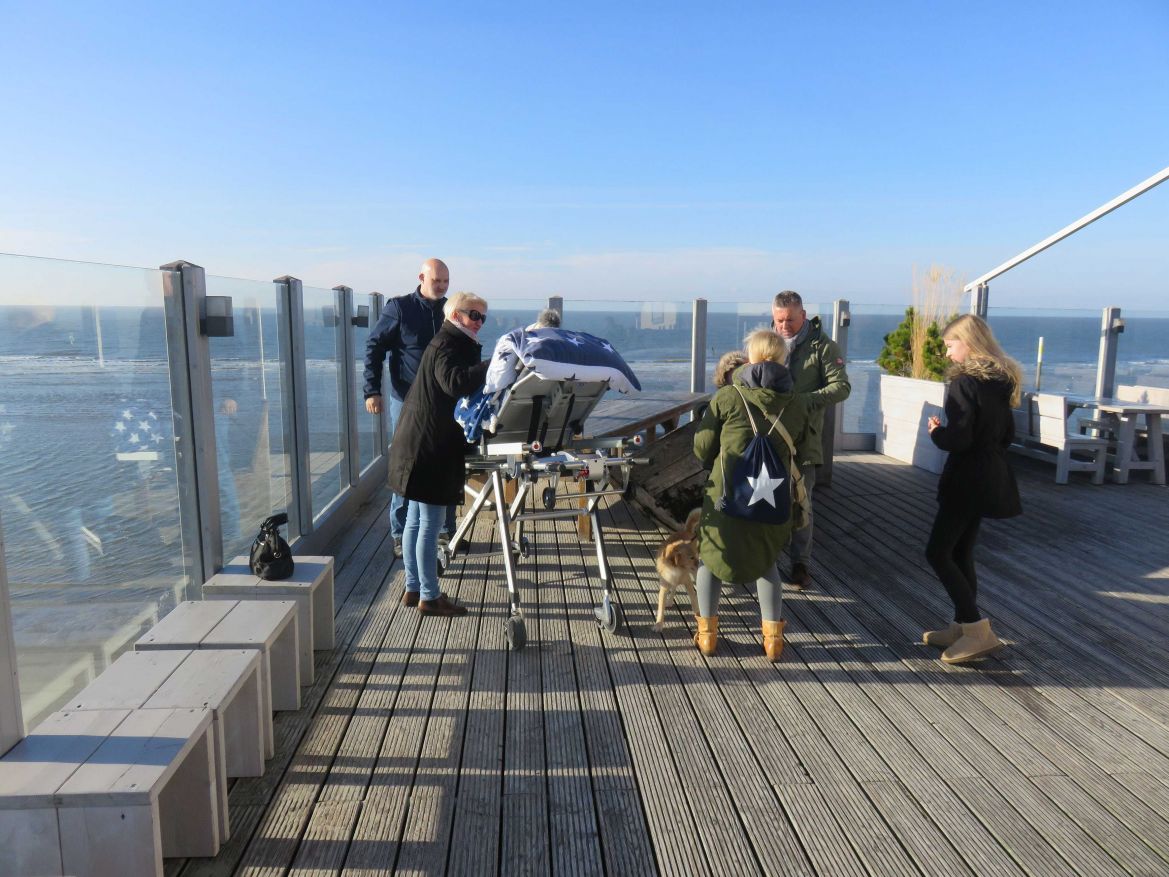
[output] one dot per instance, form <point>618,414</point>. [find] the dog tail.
<point>691,526</point>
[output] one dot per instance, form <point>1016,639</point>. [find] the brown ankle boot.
<point>943,639</point>
<point>977,641</point>
<point>707,637</point>
<point>773,639</point>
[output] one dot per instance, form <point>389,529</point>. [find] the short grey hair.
<point>787,299</point>
<point>460,301</point>
<point>549,318</point>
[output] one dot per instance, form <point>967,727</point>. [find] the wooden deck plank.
<point>427,747</point>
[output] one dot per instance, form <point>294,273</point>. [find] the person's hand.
<point>228,406</point>
<point>933,423</point>
<point>374,404</point>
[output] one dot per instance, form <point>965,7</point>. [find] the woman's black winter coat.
<point>426,457</point>
<point>979,428</point>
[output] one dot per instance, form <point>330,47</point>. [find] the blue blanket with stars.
<point>554,354</point>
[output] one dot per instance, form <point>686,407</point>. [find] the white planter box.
<point>905,406</point>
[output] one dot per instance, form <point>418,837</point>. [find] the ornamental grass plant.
<point>915,349</point>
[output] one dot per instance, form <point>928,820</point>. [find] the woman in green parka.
<point>733,549</point>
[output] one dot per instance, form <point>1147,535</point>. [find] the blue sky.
<point>648,150</point>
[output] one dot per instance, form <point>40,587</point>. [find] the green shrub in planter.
<point>897,353</point>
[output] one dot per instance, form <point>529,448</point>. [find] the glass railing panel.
<point>253,463</point>
<point>1071,346</point>
<point>89,498</point>
<point>728,323</point>
<point>652,336</point>
<point>1142,354</point>
<point>328,456</point>
<point>366,422</point>
<point>868,326</point>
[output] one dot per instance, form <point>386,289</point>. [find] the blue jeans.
<point>420,548</point>
<point>398,503</point>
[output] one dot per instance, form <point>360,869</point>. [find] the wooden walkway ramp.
<point>427,748</point>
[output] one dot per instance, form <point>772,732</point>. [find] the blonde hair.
<point>727,363</point>
<point>461,301</point>
<point>765,345</point>
<point>986,355</point>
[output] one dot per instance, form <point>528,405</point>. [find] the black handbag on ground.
<point>271,558</point>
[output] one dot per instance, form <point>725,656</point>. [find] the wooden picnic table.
<point>1127,414</point>
<point>629,415</point>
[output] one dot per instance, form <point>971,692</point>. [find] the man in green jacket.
<point>817,368</point>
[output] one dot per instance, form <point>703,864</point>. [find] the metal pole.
<point>347,380</point>
<point>184,289</point>
<point>833,436</point>
<point>1110,328</point>
<point>980,300</point>
<point>11,717</point>
<point>294,395</point>
<point>698,347</point>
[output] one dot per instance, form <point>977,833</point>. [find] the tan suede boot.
<point>943,639</point>
<point>707,637</point>
<point>977,641</point>
<point>773,639</point>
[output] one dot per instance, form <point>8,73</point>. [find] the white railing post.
<point>1111,326</point>
<point>11,720</point>
<point>698,347</point>
<point>347,383</point>
<point>377,301</point>
<point>189,357</point>
<point>294,381</point>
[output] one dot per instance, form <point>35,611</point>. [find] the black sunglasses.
<point>475,315</point>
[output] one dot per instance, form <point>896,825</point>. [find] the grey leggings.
<point>769,586</point>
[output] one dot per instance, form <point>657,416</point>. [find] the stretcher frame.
<point>538,437</point>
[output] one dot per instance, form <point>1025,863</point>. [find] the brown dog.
<point>677,562</point>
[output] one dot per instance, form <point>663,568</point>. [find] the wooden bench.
<point>227,682</point>
<point>311,586</point>
<point>266,626</point>
<point>109,793</point>
<point>1053,432</point>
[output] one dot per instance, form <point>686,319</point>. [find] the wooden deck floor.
<point>427,748</point>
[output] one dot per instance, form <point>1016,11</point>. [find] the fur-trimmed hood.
<point>988,371</point>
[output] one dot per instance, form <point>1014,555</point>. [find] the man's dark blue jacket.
<point>406,326</point>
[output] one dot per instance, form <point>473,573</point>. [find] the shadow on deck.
<point>427,748</point>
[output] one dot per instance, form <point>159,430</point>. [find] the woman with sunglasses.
<point>426,457</point>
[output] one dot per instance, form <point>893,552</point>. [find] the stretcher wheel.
<point>608,617</point>
<point>517,634</point>
<point>549,498</point>
<point>523,547</point>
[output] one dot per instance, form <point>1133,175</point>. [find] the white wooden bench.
<point>227,682</point>
<point>311,586</point>
<point>266,626</point>
<point>109,793</point>
<point>1053,432</point>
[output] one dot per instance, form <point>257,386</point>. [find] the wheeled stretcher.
<point>537,439</point>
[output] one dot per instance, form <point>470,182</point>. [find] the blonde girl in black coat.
<point>976,482</point>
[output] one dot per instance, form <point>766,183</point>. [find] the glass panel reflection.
<point>328,465</point>
<point>88,492</point>
<point>254,476</point>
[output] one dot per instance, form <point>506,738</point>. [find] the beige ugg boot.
<point>773,639</point>
<point>707,637</point>
<point>977,641</point>
<point>943,639</point>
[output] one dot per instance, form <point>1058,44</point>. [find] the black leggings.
<point>951,553</point>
